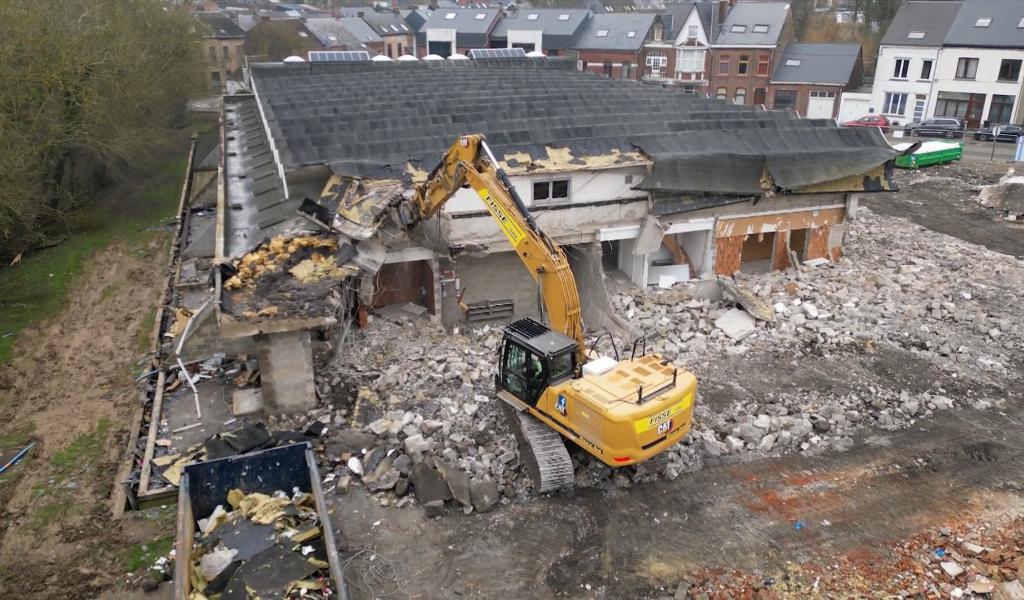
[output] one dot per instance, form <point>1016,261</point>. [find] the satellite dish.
<point>292,59</point>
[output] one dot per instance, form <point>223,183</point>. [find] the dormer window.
<point>659,32</point>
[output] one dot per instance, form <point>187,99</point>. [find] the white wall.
<point>913,85</point>
<point>584,186</point>
<point>692,19</point>
<point>526,37</point>
<point>441,35</point>
<point>984,83</point>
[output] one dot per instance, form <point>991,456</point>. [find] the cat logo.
<point>562,405</point>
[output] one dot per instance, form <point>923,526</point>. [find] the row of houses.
<point>742,51</point>
<point>950,58</point>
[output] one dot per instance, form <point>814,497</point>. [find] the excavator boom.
<point>470,162</point>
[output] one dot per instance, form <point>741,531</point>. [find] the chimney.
<point>723,10</point>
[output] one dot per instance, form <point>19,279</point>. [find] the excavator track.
<point>542,451</point>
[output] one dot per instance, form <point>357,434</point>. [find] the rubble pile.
<point>944,301</point>
<point>968,560</point>
<point>267,546</point>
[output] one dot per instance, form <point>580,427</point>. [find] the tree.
<point>85,85</point>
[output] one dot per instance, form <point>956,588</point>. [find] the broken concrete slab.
<point>484,494</point>
<point>286,373</point>
<point>951,569</point>
<point>745,298</point>
<point>651,235</point>
<point>458,483</point>
<point>736,323</point>
<point>245,402</point>
<point>428,485</point>
<point>349,440</point>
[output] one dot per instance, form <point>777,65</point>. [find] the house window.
<point>967,68</point>
<point>551,191</point>
<point>691,31</point>
<point>926,69</point>
<point>895,104</point>
<point>952,104</point>
<point>1001,110</point>
<point>401,50</point>
<point>723,65</point>
<point>213,54</point>
<point>659,32</point>
<point>785,99</point>
<point>743,67</point>
<point>657,61</point>
<point>822,94</point>
<point>691,61</point>
<point>741,95</point>
<point>227,53</point>
<point>902,68</point>
<point>763,64</point>
<point>721,93</point>
<point>1009,70</point>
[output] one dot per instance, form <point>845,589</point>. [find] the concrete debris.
<point>951,569</point>
<point>737,324</point>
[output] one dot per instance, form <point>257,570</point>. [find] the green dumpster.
<point>930,153</point>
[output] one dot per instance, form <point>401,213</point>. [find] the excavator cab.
<point>533,357</point>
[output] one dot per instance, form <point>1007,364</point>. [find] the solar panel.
<point>338,56</point>
<point>497,53</point>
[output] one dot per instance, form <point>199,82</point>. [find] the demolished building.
<point>287,234</point>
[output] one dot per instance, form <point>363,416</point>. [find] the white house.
<point>907,58</point>
<point>978,75</point>
<point>685,44</point>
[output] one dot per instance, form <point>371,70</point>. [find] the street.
<point>973,149</point>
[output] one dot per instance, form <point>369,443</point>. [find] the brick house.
<point>811,78</point>
<point>612,44</point>
<point>346,33</point>
<point>680,54</point>
<point>223,40</point>
<point>398,37</point>
<point>746,50</point>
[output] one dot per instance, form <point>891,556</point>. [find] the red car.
<point>870,121</point>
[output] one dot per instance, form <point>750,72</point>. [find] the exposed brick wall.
<point>594,61</point>
<point>728,251</point>
<point>817,242</point>
<point>780,254</point>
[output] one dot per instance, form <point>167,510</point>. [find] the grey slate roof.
<point>749,14</point>
<point>618,27</point>
<point>382,22</point>
<point>465,20</point>
<point>819,63</point>
<point>930,17</point>
<point>375,119</point>
<point>354,33</point>
<point>557,33</point>
<point>1002,32</point>
<point>218,25</point>
<point>678,12</point>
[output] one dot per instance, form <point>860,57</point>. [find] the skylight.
<point>404,28</point>
<point>738,29</point>
<point>760,29</point>
<point>450,17</point>
<point>915,35</point>
<point>1021,24</point>
<point>303,34</point>
<point>602,33</point>
<point>563,17</point>
<point>395,28</point>
<point>532,17</point>
<point>480,16</point>
<point>984,22</point>
<point>631,34</point>
<point>793,62</point>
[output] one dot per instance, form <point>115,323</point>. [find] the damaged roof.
<point>391,120</point>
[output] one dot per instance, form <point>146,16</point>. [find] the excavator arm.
<point>469,162</point>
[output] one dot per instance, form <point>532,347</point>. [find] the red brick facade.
<point>780,254</point>
<point>817,242</point>
<point>741,73</point>
<point>728,251</point>
<point>603,62</point>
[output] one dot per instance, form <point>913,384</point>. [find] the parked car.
<point>1007,133</point>
<point>870,121</point>
<point>946,127</point>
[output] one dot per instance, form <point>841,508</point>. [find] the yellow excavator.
<point>621,411</point>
